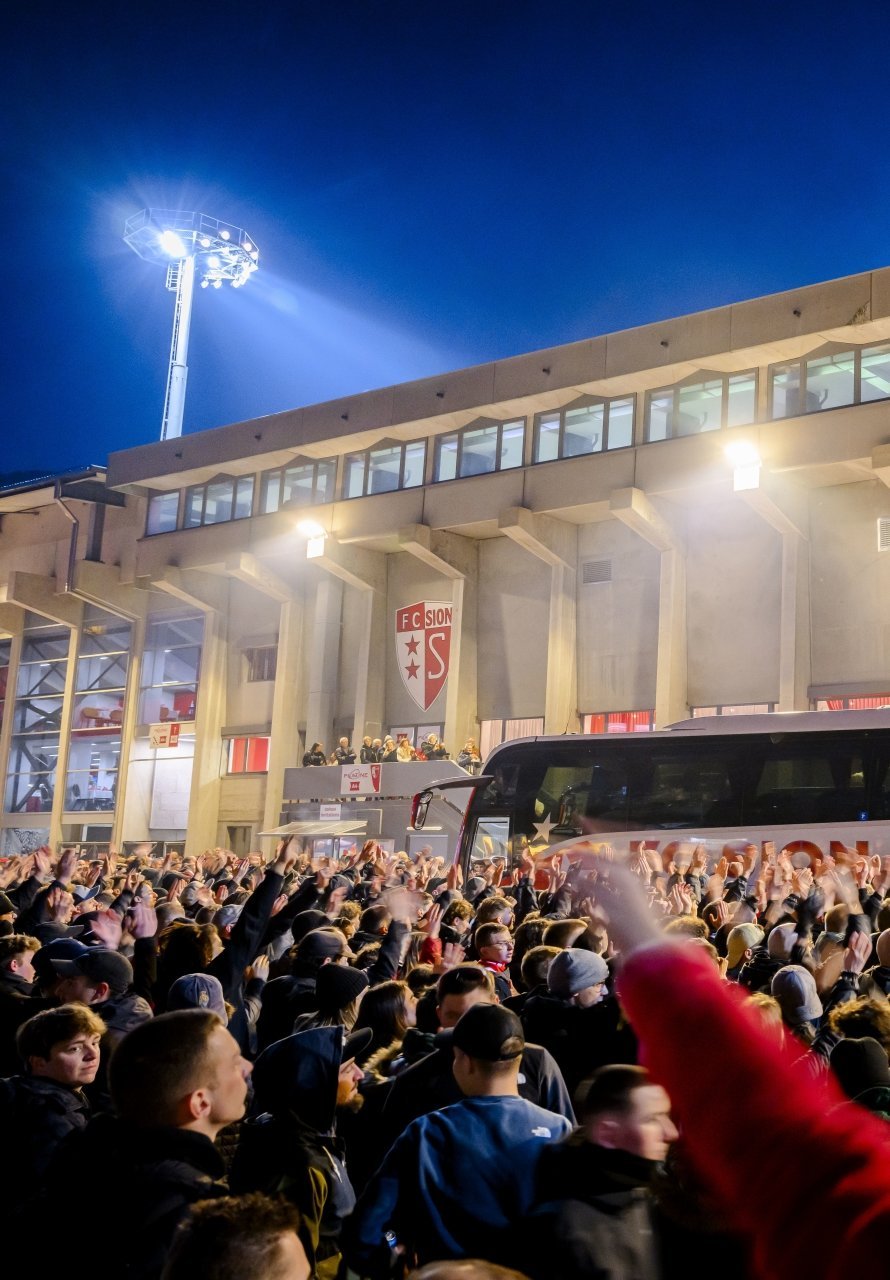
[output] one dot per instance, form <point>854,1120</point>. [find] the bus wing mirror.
<point>419,809</point>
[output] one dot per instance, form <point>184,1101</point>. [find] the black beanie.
<point>337,986</point>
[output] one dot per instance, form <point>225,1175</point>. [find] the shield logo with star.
<point>423,648</point>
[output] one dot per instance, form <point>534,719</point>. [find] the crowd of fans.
<point>574,1067</point>
<point>388,751</point>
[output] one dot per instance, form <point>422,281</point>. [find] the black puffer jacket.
<point>291,1148</point>
<point>144,1179</point>
<point>35,1117</point>
<point>594,1218</point>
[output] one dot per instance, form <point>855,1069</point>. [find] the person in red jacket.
<point>824,1211</point>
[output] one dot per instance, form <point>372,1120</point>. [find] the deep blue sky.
<point>431,183</point>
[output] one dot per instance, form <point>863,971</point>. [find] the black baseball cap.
<point>489,1032</point>
<point>99,964</point>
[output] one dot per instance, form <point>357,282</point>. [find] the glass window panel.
<point>354,476</point>
<point>446,458</point>
<point>42,646</point>
<point>218,507</point>
<point>830,381</point>
<point>415,458</point>
<point>786,401</point>
<point>660,413</point>
<point>271,492</point>
<point>384,466</point>
<point>39,678</point>
<point>547,437</point>
<point>700,408</point>
<point>38,715</point>
<point>298,488</point>
<point>168,702</point>
<point>512,444</point>
<point>243,497</point>
<point>101,671</point>
<point>325,479</point>
<point>170,632</point>
<point>583,431</point>
<point>194,503</point>
<point>163,510</point>
<point>93,764</point>
<point>479,451</point>
<point>98,711</point>
<point>875,380</point>
<point>741,399</point>
<point>621,424</point>
<point>103,634</point>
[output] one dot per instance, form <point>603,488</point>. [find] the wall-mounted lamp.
<point>746,463</point>
<point>315,537</point>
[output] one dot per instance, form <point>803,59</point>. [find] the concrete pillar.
<point>283,748</point>
<point>788,520</point>
<point>556,544</point>
<point>209,595</point>
<point>324,661</point>
<point>456,558</point>
<point>363,571</point>
<point>633,509</point>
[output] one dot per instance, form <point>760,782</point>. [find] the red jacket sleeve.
<point>430,951</point>
<point>804,1175</point>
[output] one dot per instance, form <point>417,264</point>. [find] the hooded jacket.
<point>35,1115</point>
<point>290,1148</point>
<point>594,1218</point>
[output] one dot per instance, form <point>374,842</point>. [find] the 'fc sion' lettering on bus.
<point>423,648</point>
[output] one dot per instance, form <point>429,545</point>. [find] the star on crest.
<point>542,831</point>
<point>412,669</point>
<point>412,645</point>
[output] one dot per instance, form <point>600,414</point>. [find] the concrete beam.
<point>100,584</point>
<point>12,617</point>
<point>246,568</point>
<point>880,463</point>
<point>356,566</point>
<point>200,591</point>
<point>37,593</point>
<point>553,541</point>
<point>775,515</point>
<point>633,508</point>
<point>447,553</point>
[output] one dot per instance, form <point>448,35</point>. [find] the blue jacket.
<point>454,1184</point>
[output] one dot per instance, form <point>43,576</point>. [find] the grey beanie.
<point>574,970</point>
<point>795,989</point>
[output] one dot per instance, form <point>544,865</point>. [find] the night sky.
<point>431,184</point>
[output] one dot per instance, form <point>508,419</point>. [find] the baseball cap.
<point>226,915</point>
<point>355,1043</point>
<point>740,939</point>
<point>99,964</point>
<point>198,991</point>
<point>489,1032</point>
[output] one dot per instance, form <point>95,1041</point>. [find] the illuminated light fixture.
<point>316,538</point>
<point>311,529</point>
<point>172,244</point>
<point>746,463</point>
<point>190,246</point>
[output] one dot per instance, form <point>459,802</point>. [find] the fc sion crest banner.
<point>423,648</point>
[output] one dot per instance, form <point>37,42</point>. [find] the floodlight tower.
<point>189,245</point>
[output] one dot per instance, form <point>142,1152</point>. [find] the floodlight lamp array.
<point>222,252</point>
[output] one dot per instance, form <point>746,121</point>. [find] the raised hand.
<point>108,928</point>
<point>857,952</point>
<point>259,969</point>
<point>143,920</point>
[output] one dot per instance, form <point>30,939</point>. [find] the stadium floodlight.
<point>190,246</point>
